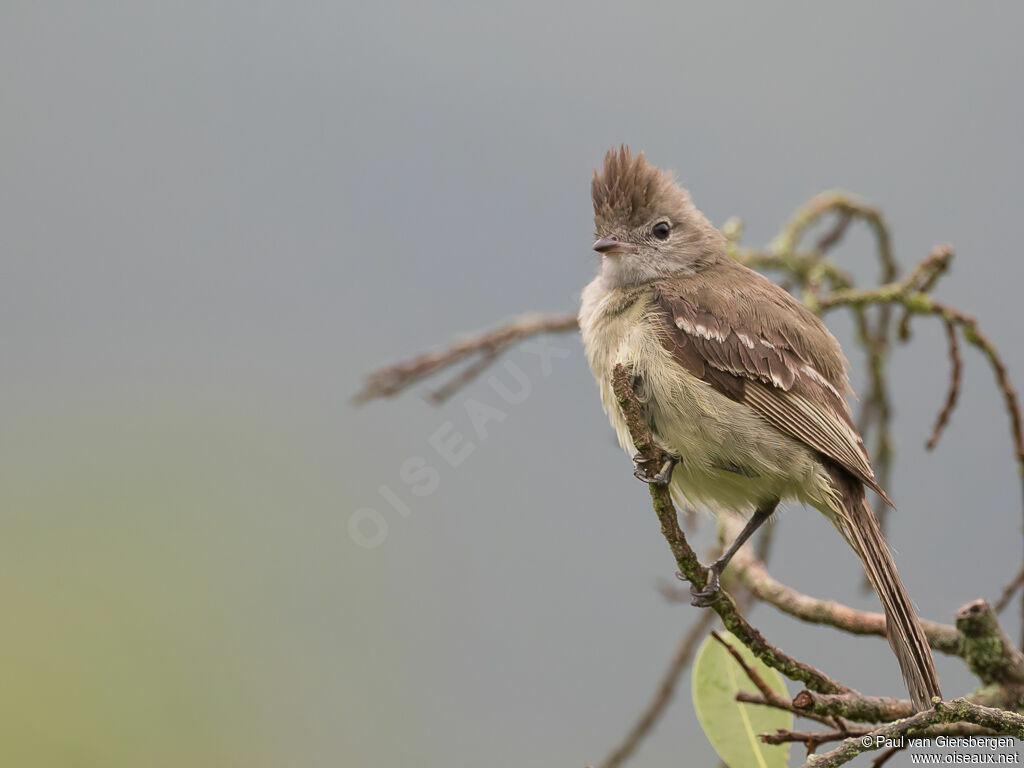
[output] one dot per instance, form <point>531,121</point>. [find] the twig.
<point>810,739</point>
<point>391,380</point>
<point>905,293</point>
<point>488,354</point>
<point>886,756</point>
<point>752,674</point>
<point>779,702</point>
<point>955,372</point>
<point>811,212</point>
<point>910,294</point>
<point>768,696</point>
<point>1010,590</point>
<point>875,410</point>
<point>663,694</point>
<point>835,234</point>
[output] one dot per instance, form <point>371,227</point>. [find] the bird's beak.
<point>613,245</point>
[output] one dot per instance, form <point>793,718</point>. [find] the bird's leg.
<point>668,463</point>
<point>711,592</point>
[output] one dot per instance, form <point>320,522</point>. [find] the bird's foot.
<point>664,475</point>
<point>704,598</point>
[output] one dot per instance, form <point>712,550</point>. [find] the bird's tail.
<point>859,526</point>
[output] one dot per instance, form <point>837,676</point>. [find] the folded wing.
<point>754,343</point>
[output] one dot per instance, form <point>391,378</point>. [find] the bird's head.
<point>646,226</point>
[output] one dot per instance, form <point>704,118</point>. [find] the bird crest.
<point>629,191</point>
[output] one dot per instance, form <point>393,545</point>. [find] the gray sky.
<point>217,217</point>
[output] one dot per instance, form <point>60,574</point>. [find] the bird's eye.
<point>661,230</point>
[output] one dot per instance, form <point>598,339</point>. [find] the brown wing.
<point>756,344</point>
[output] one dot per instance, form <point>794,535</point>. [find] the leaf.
<point>730,726</point>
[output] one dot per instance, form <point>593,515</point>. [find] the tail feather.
<point>859,527</point>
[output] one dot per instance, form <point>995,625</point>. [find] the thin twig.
<point>488,354</point>
<point>886,756</point>
<point>906,293</point>
<point>1009,591</point>
<point>389,381</point>
<point>956,365</point>
<point>780,702</point>
<point>810,739</point>
<point>752,674</point>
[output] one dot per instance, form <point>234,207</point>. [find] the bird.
<point>743,387</point>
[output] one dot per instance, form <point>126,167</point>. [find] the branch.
<point>883,709</point>
<point>958,710</point>
<point>987,650</point>
<point>488,345</point>
<point>686,559</point>
<point>846,206</point>
<point>779,702</point>
<point>810,739</point>
<point>1010,590</point>
<point>768,696</point>
<point>908,294</point>
<point>853,706</point>
<point>956,366</point>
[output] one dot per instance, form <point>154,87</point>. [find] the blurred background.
<point>216,217</point>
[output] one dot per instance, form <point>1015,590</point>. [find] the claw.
<point>664,474</point>
<point>703,598</point>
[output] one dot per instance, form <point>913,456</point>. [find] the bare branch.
<point>752,674</point>
<point>810,739</point>
<point>956,365</point>
<point>391,380</point>
<point>987,650</point>
<point>1010,590</point>
<point>907,293</point>
<point>882,709</point>
<point>779,702</point>
<point>843,204</point>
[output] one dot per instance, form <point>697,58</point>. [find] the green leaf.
<point>730,726</point>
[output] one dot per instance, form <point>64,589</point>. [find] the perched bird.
<point>743,386</point>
